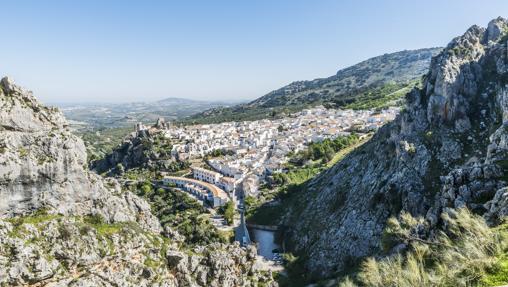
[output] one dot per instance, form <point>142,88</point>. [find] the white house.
<point>206,175</point>
<point>227,183</point>
<point>202,190</point>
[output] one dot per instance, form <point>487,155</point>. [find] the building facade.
<point>206,175</point>
<point>202,190</point>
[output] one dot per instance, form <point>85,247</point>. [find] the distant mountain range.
<point>356,83</point>
<point>99,115</point>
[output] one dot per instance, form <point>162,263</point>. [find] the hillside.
<point>62,225</point>
<point>419,178</point>
<point>388,72</point>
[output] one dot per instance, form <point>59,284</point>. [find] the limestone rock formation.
<point>72,251</point>
<point>43,165</point>
<point>147,148</point>
<point>447,149</point>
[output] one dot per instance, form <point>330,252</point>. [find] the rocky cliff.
<point>43,165</point>
<point>447,149</point>
<point>61,225</point>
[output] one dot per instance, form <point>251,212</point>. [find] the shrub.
<point>85,229</point>
<point>146,188</point>
<point>95,219</point>
<point>229,212</point>
<point>64,232</point>
<point>461,254</point>
<point>23,152</point>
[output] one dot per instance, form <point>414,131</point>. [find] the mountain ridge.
<point>403,68</point>
<point>102,115</point>
<point>349,73</point>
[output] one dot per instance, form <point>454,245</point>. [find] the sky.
<point>123,51</point>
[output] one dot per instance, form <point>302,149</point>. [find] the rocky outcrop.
<point>62,251</point>
<point>447,149</point>
<point>146,148</point>
<point>43,166</point>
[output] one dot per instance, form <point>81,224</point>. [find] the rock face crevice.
<point>447,149</point>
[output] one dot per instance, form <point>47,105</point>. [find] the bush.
<point>95,219</point>
<point>228,211</point>
<point>146,188</point>
<point>64,232</point>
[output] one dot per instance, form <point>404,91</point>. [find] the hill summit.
<point>379,76</point>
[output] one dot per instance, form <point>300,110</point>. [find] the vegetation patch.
<point>466,252</point>
<point>103,228</point>
<point>23,152</point>
<point>228,211</point>
<point>387,95</point>
<point>242,113</point>
<point>36,218</point>
<point>180,212</point>
<point>101,142</point>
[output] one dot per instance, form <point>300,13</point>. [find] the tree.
<point>146,188</point>
<point>280,178</point>
<point>328,156</point>
<point>120,168</point>
<point>228,210</point>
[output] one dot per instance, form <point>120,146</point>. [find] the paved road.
<point>241,232</point>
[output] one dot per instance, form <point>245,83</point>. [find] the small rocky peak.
<point>20,110</point>
<point>8,85</point>
<point>496,29</point>
<point>454,76</point>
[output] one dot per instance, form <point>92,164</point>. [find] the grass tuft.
<point>466,252</point>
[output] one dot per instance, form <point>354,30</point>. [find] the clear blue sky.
<point>117,51</point>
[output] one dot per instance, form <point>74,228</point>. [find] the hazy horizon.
<point>105,102</point>
<point>128,51</point>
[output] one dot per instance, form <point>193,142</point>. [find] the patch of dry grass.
<point>465,253</point>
